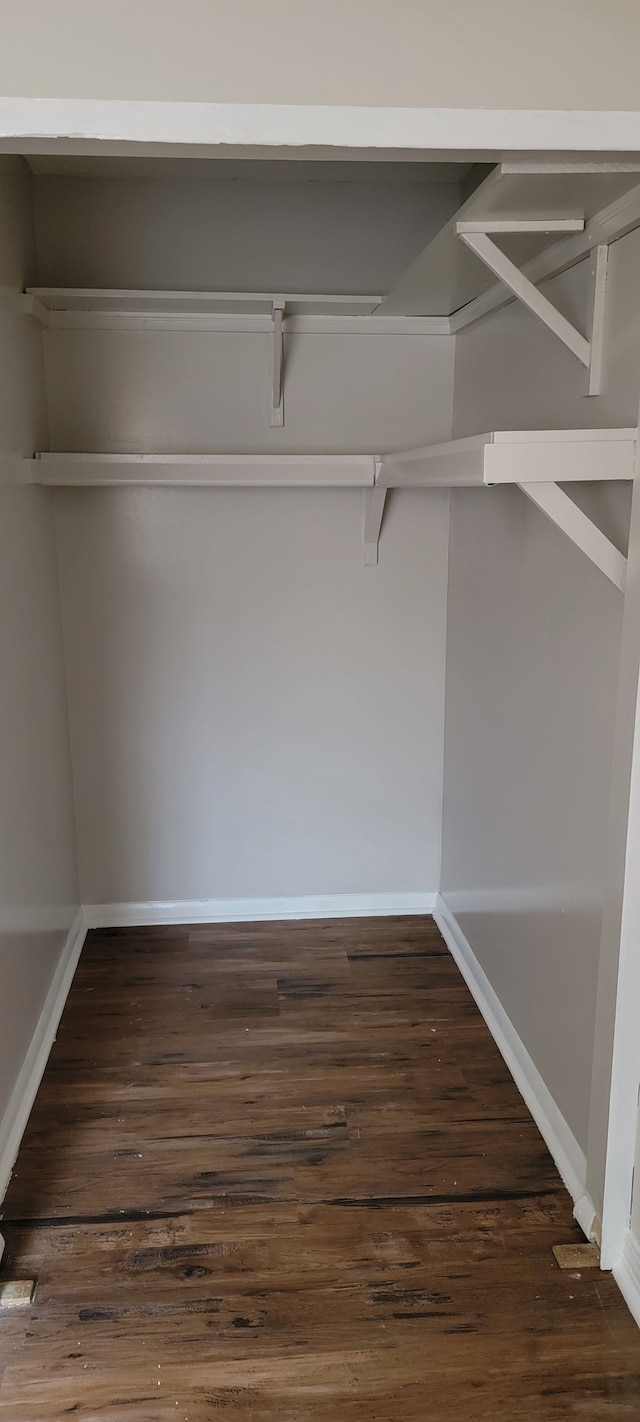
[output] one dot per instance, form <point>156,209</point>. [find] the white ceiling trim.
<point>264,126</point>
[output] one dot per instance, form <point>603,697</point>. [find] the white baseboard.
<point>627,1275</point>
<point>584,1211</point>
<point>253,910</point>
<point>567,1154</point>
<point>14,1121</point>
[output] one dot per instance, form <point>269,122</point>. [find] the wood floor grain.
<point>279,1173</point>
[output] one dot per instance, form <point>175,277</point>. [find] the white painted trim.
<point>604,227</point>
<point>567,1154</point>
<point>616,434</point>
<point>515,456</point>
<point>239,323</point>
<point>122,298</point>
<point>442,278</point>
<point>14,1121</point>
<point>222,470</point>
<point>526,291</point>
<point>584,1211</point>
<point>133,915</point>
<point>506,225</point>
<point>561,510</point>
<point>263,126</point>
<point>115,308</point>
<point>548,461</point>
<point>627,1275</point>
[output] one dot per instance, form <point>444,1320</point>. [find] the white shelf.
<point>209,470</point>
<point>563,210</point>
<point>79,308</point>
<point>69,299</point>
<point>515,457</point>
<point>539,461</point>
<point>498,457</point>
<point>102,308</point>
<point>447,277</point>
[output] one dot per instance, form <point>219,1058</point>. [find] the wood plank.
<point>280,1171</point>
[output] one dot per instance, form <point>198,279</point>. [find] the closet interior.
<point>315,508</point>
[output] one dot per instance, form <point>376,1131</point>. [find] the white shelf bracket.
<point>597,300</point>
<point>374,502</point>
<point>30,305</point>
<point>566,515</point>
<point>588,352</point>
<point>276,392</point>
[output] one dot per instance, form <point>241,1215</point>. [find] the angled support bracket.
<point>276,392</point>
<point>374,502</point>
<point>566,515</point>
<point>588,352</point>
<point>31,306</point>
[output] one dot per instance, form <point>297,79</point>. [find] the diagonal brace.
<point>561,510</point>
<point>528,294</point>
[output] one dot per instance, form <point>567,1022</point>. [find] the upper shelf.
<point>545,217</point>
<point>188,303</point>
<point>122,309</point>
<point>499,457</point>
<point>561,199</point>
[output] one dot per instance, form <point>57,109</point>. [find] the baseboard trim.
<point>627,1275</point>
<point>14,1121</point>
<point>562,1144</point>
<point>585,1213</point>
<point>139,915</point>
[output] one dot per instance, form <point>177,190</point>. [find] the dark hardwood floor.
<point>279,1173</point>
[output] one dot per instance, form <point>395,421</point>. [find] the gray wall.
<point>195,392</point>
<point>198,391</point>
<point>533,638</point>
<point>38,882</point>
<point>532,656</point>
<point>253,712</point>
<point>291,227</point>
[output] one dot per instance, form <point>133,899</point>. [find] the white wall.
<point>533,645</point>
<point>556,54</point>
<point>38,881</point>
<point>253,712</point>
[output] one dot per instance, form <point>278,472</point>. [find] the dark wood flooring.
<point>279,1173</point>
